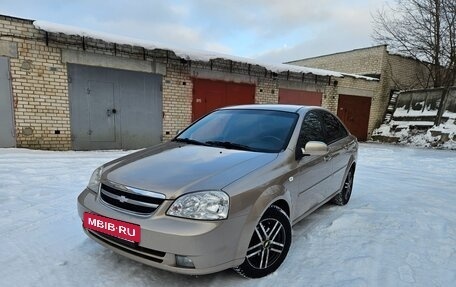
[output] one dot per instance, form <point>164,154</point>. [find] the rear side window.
<point>334,128</point>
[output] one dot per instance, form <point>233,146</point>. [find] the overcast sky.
<point>270,31</point>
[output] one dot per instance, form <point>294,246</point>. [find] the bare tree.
<point>424,30</point>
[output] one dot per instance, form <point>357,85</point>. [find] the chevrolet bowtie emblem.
<point>123,199</point>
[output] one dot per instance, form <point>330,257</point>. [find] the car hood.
<point>175,168</point>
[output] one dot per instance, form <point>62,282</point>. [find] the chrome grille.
<point>131,199</point>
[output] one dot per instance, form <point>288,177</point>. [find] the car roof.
<point>271,107</point>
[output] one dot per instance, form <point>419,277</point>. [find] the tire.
<point>269,245</point>
<point>343,196</point>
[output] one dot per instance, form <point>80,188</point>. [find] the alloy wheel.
<point>267,243</point>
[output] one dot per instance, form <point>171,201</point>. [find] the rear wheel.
<point>343,196</point>
<point>269,245</point>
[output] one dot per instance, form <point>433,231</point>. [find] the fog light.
<point>184,261</point>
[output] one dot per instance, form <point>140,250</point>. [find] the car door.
<point>339,143</point>
<point>312,174</point>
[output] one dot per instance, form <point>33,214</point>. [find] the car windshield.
<point>243,129</point>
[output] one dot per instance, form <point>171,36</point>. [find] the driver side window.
<point>311,130</point>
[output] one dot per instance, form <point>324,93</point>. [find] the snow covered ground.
<point>399,228</point>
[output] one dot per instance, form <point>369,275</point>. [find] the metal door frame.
<point>11,97</point>
<point>341,97</point>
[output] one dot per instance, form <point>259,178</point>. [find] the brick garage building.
<point>65,88</point>
<point>362,102</point>
<point>73,89</point>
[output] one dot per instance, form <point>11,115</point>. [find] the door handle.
<point>110,112</point>
<point>348,146</point>
<point>328,157</point>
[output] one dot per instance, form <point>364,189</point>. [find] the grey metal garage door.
<point>7,138</point>
<point>114,109</point>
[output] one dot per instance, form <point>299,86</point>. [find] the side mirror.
<point>315,148</point>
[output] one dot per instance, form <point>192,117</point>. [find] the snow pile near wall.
<point>410,133</point>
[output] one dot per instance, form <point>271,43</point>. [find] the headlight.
<point>204,205</point>
<point>94,182</point>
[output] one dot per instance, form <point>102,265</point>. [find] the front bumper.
<point>211,245</point>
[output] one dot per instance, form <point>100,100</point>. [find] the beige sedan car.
<point>225,192</point>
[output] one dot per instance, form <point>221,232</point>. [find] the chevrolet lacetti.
<point>225,192</point>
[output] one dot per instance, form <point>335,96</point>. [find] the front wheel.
<point>343,196</point>
<point>269,245</point>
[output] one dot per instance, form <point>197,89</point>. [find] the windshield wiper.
<point>229,145</point>
<point>189,141</point>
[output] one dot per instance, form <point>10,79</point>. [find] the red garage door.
<point>299,97</point>
<point>209,95</point>
<point>354,112</point>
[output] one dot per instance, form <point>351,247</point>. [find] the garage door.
<point>354,112</point>
<point>209,95</point>
<point>114,109</point>
<point>299,97</point>
<point>6,106</point>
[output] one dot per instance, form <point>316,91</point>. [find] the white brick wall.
<point>396,72</point>
<point>267,91</point>
<point>177,100</point>
<point>40,82</point>
<point>40,90</point>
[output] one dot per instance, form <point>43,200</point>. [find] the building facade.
<point>355,99</point>
<point>65,90</point>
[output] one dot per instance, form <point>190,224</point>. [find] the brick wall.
<point>396,73</point>
<point>40,80</point>
<point>267,91</point>
<point>40,84</point>
<point>384,90</point>
<point>377,111</point>
<point>330,99</point>
<point>406,74</point>
<point>40,89</point>
<point>366,61</point>
<point>177,100</point>
<point>360,61</point>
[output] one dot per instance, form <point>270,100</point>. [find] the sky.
<point>271,31</point>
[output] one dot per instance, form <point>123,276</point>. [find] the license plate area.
<point>117,228</point>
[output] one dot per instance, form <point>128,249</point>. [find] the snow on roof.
<point>188,54</point>
<point>360,77</point>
